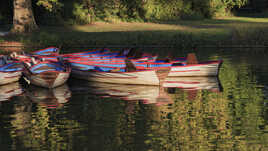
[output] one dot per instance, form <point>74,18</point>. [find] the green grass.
<point>182,34</point>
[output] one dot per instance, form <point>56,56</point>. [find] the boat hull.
<point>9,77</point>
<point>47,79</point>
<point>210,68</point>
<point>148,77</point>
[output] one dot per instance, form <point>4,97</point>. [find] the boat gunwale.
<point>67,68</point>
<point>37,51</point>
<point>116,72</point>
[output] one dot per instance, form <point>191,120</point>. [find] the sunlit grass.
<point>196,29</point>
<point>122,27</point>
<point>248,19</point>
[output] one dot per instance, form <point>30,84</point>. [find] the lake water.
<point>225,113</point>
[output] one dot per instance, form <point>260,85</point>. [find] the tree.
<point>23,18</point>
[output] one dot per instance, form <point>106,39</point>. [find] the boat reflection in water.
<point>10,90</point>
<point>193,83</point>
<point>50,98</point>
<point>148,94</point>
<point>144,93</point>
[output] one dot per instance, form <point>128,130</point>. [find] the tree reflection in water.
<point>100,116</point>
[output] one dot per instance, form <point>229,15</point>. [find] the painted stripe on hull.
<point>186,71</point>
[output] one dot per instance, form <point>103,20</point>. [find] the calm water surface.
<point>228,113</point>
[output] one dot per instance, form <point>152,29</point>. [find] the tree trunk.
<point>23,19</point>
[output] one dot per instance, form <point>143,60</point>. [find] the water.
<point>228,113</point>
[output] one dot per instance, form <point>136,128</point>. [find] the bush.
<point>159,10</point>
<point>82,15</point>
<point>58,12</point>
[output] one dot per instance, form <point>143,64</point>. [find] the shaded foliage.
<point>87,11</point>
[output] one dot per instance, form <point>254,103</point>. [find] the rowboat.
<point>50,51</point>
<point>143,62</point>
<point>208,68</point>
<point>143,77</point>
<point>193,68</point>
<point>177,68</point>
<point>104,72</point>
<point>10,90</point>
<point>180,67</point>
<point>88,53</point>
<point>47,51</point>
<point>46,74</point>
<point>10,70</point>
<point>91,54</point>
<point>126,75</point>
<point>51,54</point>
<point>107,53</point>
<point>109,59</point>
<point>50,98</point>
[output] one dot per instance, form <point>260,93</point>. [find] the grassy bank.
<point>182,34</point>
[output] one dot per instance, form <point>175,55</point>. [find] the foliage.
<point>82,16</point>
<point>87,11</point>
<point>160,10</point>
<point>50,5</point>
<point>234,3</point>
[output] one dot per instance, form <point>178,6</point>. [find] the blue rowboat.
<point>48,74</point>
<point>47,51</point>
<point>10,70</point>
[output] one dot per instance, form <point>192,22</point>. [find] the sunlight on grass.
<point>203,28</point>
<point>248,19</point>
<point>110,27</point>
<point>197,29</point>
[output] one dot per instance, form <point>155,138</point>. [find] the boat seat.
<point>130,66</point>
